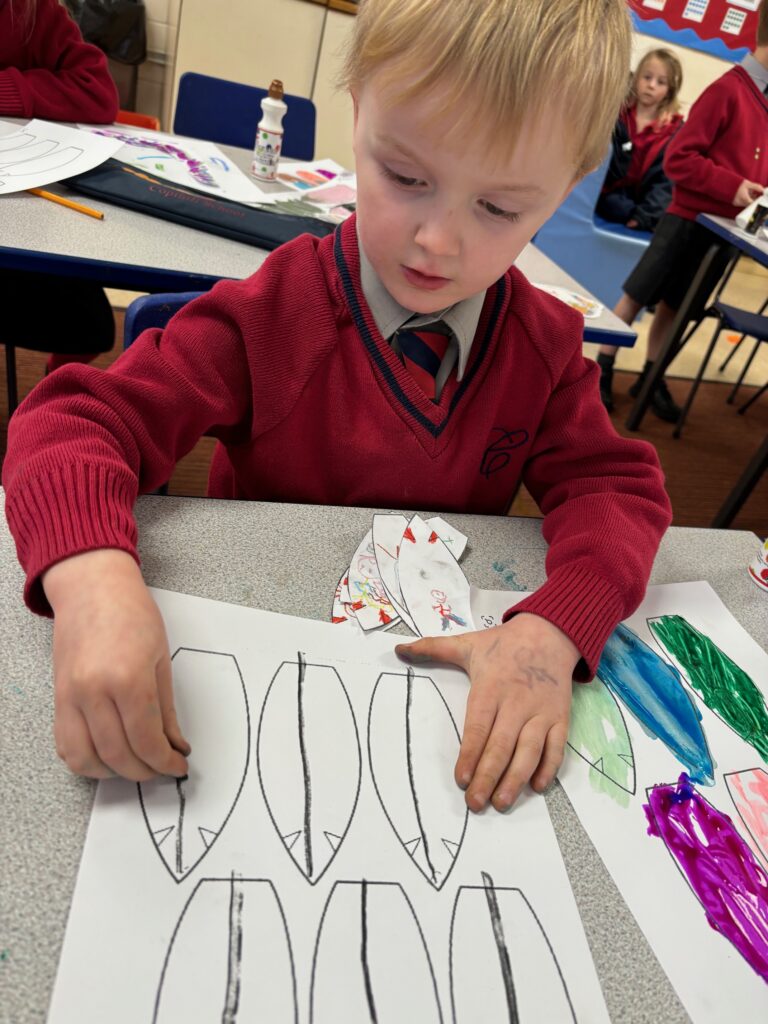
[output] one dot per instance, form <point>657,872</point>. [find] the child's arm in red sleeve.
<point>687,161</point>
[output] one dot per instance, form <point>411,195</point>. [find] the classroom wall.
<point>303,42</point>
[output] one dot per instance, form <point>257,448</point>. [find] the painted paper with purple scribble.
<point>719,866</point>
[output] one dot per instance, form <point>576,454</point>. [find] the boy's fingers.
<point>143,723</point>
<point>447,650</point>
<point>552,757</point>
<point>494,760</point>
<point>478,722</point>
<point>113,745</point>
<point>528,754</point>
<point>74,745</point>
<point>171,725</point>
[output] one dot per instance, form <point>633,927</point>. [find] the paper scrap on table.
<point>588,308</point>
<point>370,589</point>
<point>343,614</point>
<point>434,588</point>
<point>40,153</point>
<point>195,163</point>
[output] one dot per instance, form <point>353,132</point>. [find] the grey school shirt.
<point>756,71</point>
<point>460,321</point>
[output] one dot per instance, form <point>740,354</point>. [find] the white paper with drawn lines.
<point>319,864</point>
<point>41,152</point>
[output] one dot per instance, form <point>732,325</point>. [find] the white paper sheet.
<point>380,893</point>
<point>712,979</point>
<point>196,163</point>
<point>41,152</point>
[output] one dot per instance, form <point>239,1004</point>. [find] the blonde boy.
<point>473,119</point>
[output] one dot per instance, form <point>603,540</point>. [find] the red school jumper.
<point>48,71</point>
<point>724,141</point>
<point>310,404</point>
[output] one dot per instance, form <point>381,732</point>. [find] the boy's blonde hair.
<point>670,104</point>
<point>495,62</point>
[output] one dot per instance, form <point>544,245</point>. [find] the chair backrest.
<point>228,112</point>
<point>597,256</point>
<point>152,311</point>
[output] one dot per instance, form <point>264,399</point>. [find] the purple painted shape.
<point>721,869</point>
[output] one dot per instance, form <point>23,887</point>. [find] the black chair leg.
<point>743,408</point>
<point>743,488</point>
<point>742,375</point>
<point>10,379</point>
<point>695,386</point>
<point>731,354</point>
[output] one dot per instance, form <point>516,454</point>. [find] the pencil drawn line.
<point>198,931</point>
<point>153,795</point>
<point>364,950</point>
<point>235,953</point>
<point>501,948</point>
<point>305,769</point>
<point>294,695</point>
<point>411,780</point>
<point>464,937</point>
<point>182,804</point>
<point>387,917</point>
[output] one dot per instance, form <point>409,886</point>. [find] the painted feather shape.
<point>749,792</point>
<point>598,734</point>
<point>723,685</point>
<point>718,865</point>
<point>499,948</point>
<point>309,762</point>
<point>185,816</point>
<point>413,744</point>
<point>370,937</point>
<point>229,958</point>
<point>654,693</point>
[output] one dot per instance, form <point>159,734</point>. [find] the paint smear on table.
<point>749,792</point>
<point>598,734</point>
<point>724,687</point>
<point>653,692</point>
<point>718,865</point>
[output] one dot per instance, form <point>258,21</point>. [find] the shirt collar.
<point>756,71</point>
<point>462,318</point>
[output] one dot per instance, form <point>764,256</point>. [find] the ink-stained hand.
<point>747,192</point>
<point>516,722</point>
<point>114,711</point>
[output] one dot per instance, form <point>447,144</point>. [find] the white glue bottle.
<point>269,134</point>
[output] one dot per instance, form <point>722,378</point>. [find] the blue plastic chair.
<point>743,322</point>
<point>228,112</point>
<point>599,255</point>
<point>153,311</point>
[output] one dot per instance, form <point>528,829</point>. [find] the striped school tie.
<point>422,353</point>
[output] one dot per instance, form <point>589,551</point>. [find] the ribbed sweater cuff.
<point>11,100</point>
<point>72,510</point>
<point>584,605</point>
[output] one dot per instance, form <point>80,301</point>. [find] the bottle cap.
<point>275,89</point>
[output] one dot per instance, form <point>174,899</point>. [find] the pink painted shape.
<point>749,792</point>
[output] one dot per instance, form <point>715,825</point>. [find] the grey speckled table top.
<point>285,558</point>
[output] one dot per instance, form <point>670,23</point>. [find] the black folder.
<point>122,185</point>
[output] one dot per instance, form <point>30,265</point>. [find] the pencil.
<point>66,202</point>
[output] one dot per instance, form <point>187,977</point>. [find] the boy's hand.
<point>112,671</point>
<point>516,722</point>
<point>747,192</point>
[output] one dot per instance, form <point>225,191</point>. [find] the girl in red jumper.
<point>47,71</point>
<point>636,190</point>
